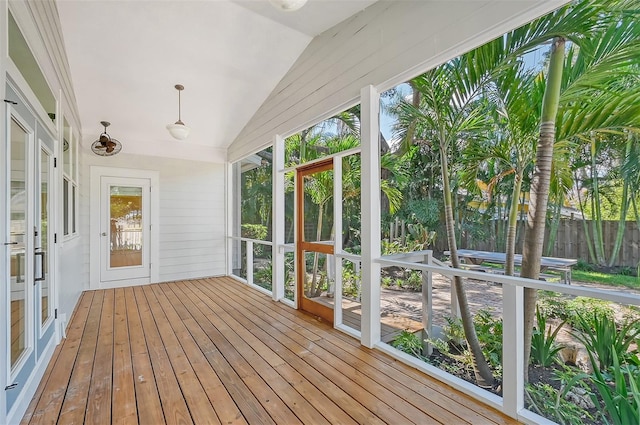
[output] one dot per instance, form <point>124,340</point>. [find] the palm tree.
<point>514,94</point>
<point>612,44</point>
<point>448,116</point>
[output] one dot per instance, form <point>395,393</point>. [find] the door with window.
<point>31,221</point>
<point>315,262</point>
<point>125,229</point>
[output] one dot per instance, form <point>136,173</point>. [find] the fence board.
<point>571,241</point>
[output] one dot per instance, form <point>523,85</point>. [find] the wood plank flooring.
<point>214,351</point>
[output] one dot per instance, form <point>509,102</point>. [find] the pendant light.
<point>179,130</point>
<point>288,5</point>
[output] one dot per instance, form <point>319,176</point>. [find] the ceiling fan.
<point>106,145</point>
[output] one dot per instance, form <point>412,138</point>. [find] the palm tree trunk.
<point>483,373</point>
<point>510,249</point>
<point>587,235</point>
<point>555,223</point>
<point>624,209</point>
<point>596,207</point>
<point>622,221</point>
<point>534,236</point>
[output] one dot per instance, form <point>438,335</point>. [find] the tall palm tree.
<point>448,115</point>
<point>613,43</point>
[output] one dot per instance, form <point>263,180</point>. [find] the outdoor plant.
<point>489,330</point>
<point>454,333</point>
<point>549,402</point>
<point>413,282</point>
<point>350,283</point>
<point>620,395</point>
<point>602,339</point>
<point>581,307</point>
<point>544,349</point>
<point>409,343</point>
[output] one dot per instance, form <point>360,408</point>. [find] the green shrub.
<point>584,307</point>
<point>409,343</point>
<point>254,231</point>
<point>544,350</point>
<point>584,266</point>
<point>552,304</point>
<point>549,402</point>
<point>413,281</point>
<point>605,343</point>
<point>489,331</point>
<point>620,393</point>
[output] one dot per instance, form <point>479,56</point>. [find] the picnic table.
<point>475,257</point>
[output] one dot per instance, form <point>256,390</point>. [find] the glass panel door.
<point>315,239</point>
<point>20,321</point>
<point>125,235</point>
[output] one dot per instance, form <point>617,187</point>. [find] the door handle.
<point>103,234</point>
<point>42,277</point>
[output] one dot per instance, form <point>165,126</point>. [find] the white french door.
<point>31,217</point>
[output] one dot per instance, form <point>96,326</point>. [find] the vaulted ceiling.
<point>126,56</point>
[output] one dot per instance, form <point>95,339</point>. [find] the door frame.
<point>95,230</point>
<point>302,246</point>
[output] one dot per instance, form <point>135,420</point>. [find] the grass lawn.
<point>606,278</point>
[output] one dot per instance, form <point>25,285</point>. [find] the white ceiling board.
<point>126,56</point>
<point>314,18</point>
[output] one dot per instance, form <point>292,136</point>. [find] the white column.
<point>277,221</point>
<point>513,349</point>
<point>337,239</point>
<point>370,207</point>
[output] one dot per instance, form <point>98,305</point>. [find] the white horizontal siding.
<point>191,218</point>
<point>384,45</point>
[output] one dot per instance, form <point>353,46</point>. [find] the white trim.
<point>370,232</point>
<point>96,172</point>
<point>278,258</point>
<point>513,352</point>
<point>22,403</point>
<point>337,240</point>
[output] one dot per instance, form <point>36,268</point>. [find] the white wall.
<point>192,200</point>
<point>385,45</point>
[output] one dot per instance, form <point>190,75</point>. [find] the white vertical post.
<point>337,239</point>
<point>513,349</point>
<point>234,216</point>
<point>427,306</point>
<point>250,262</point>
<point>370,207</point>
<point>278,222</point>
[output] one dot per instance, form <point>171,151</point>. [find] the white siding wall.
<point>386,44</point>
<point>191,213</point>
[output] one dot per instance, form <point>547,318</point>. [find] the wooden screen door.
<point>314,239</point>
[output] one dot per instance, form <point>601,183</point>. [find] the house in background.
<point>161,209</point>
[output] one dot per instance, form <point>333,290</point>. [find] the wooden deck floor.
<point>214,351</point>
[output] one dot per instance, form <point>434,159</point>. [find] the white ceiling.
<point>126,56</point>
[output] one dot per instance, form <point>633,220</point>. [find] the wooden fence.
<point>571,242</point>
